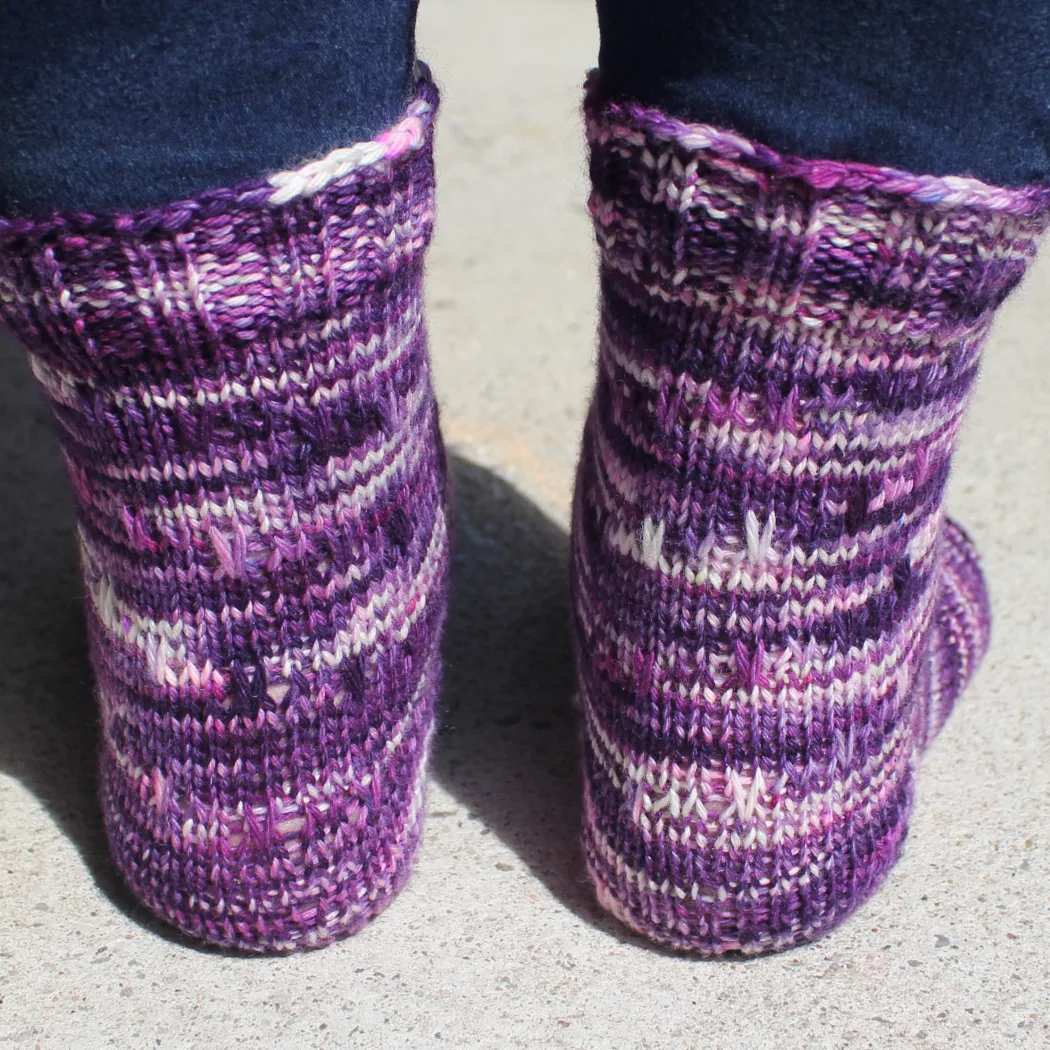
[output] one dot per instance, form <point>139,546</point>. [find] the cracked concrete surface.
<point>497,942</point>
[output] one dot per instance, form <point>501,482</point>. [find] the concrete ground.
<point>497,942</point>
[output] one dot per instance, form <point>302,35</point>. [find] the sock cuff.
<point>378,157</point>
<point>850,282</point>
<point>623,124</point>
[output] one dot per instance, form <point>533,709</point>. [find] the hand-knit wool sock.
<point>241,390</point>
<point>772,614</point>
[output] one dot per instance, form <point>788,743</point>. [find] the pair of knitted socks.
<point>772,615</point>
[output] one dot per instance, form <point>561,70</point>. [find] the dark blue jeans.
<point>115,104</point>
<point>936,87</point>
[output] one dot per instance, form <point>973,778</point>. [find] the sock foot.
<point>961,629</point>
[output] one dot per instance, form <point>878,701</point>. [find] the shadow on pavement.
<point>507,746</point>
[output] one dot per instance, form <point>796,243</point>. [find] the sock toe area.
<point>961,630</point>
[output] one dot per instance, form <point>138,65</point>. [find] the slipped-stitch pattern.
<point>772,614</point>
<point>241,390</point>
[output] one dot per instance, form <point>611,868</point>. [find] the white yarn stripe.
<point>407,135</point>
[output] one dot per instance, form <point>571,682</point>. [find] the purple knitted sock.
<point>242,395</point>
<point>772,614</point>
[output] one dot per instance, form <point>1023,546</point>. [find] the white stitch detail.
<point>408,134</point>
<point>758,546</point>
<point>652,543</point>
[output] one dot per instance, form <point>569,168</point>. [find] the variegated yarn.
<point>241,390</point>
<point>772,613</point>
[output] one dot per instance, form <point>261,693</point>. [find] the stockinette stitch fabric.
<point>241,391</point>
<point>772,614</point>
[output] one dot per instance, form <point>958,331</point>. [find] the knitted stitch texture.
<point>772,614</point>
<point>242,395</point>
